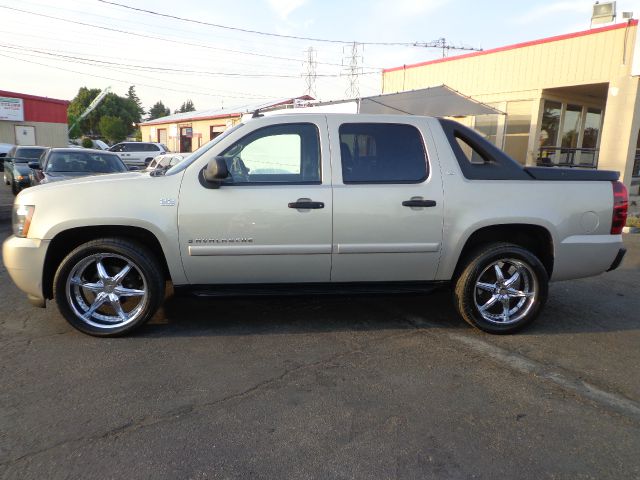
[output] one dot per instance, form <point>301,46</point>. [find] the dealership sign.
<point>11,109</point>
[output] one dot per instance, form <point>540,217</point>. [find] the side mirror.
<point>215,172</point>
<point>34,165</point>
<point>133,168</point>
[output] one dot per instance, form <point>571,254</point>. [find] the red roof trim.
<point>192,119</point>
<point>24,96</point>
<point>566,36</point>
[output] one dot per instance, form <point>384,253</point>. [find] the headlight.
<point>22,219</point>
<point>19,177</point>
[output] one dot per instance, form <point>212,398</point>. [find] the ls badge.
<point>167,202</point>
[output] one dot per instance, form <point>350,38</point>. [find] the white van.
<point>138,153</point>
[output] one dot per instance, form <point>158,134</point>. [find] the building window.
<point>592,128</point>
<point>571,126</point>
<point>487,125</point>
<point>215,130</point>
<point>569,135</point>
<point>550,123</point>
<point>162,136</point>
<point>518,126</point>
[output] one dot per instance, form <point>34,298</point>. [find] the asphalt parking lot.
<point>327,387</point>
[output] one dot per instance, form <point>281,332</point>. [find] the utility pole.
<point>310,74</point>
<point>352,63</point>
<point>445,46</point>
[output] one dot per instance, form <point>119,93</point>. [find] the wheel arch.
<point>67,240</point>
<point>535,238</point>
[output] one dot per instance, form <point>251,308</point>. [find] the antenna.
<point>310,75</point>
<point>445,46</point>
<point>352,63</point>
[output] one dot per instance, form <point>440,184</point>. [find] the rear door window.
<point>382,153</point>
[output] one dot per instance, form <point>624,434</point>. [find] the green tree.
<point>78,105</point>
<point>158,110</point>
<point>113,128</point>
<point>124,108</point>
<point>186,107</point>
<point>133,97</point>
<point>87,143</point>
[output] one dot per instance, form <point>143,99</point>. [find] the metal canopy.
<point>440,101</point>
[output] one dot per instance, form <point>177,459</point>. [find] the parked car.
<point>96,144</point>
<point>4,149</point>
<point>165,161</point>
<point>138,153</point>
<point>16,166</point>
<point>315,203</point>
<point>65,163</point>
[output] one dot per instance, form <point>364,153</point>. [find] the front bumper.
<point>24,260</point>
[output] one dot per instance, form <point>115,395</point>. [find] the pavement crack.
<point>192,408</point>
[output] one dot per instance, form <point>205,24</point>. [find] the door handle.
<point>306,204</point>
<point>419,203</point>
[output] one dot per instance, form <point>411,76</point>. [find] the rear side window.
<point>470,153</point>
<point>30,153</point>
<point>382,153</point>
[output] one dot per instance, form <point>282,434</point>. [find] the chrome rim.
<point>106,290</point>
<point>505,291</point>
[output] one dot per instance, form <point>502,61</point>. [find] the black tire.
<point>113,254</point>
<point>15,189</point>
<point>479,293</point>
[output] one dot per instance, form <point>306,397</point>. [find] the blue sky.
<point>145,62</point>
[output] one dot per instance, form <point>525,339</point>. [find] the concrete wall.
<point>47,134</point>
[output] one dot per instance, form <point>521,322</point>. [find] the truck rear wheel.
<point>502,288</point>
<point>108,287</point>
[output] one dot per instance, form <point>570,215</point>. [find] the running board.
<point>279,289</point>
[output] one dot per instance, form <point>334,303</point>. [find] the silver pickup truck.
<point>310,203</point>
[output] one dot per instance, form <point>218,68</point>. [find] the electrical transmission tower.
<point>352,64</point>
<point>310,74</point>
<point>445,46</point>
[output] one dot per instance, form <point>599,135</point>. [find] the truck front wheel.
<point>502,288</point>
<point>108,287</point>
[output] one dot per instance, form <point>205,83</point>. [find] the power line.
<point>445,46</point>
<point>114,43</point>
<point>129,82</point>
<point>246,30</point>
<point>440,43</point>
<point>154,37</point>
<point>153,68</point>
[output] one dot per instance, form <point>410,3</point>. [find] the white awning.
<point>440,101</point>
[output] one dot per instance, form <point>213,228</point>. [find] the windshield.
<point>202,150</point>
<point>83,162</point>
<point>23,155</point>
